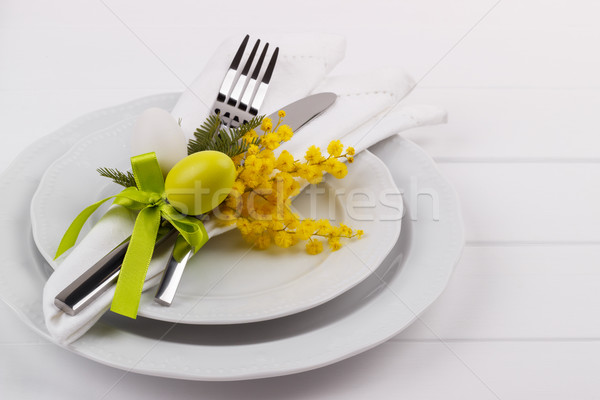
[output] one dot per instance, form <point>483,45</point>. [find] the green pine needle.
<point>121,178</point>
<point>211,136</point>
<point>203,135</point>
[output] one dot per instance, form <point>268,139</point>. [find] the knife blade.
<point>301,112</point>
<point>297,114</point>
<point>103,274</point>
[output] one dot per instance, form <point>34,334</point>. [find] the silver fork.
<point>239,100</point>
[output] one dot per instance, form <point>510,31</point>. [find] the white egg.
<point>157,131</point>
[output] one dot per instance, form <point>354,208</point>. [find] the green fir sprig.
<point>212,136</point>
<point>121,178</point>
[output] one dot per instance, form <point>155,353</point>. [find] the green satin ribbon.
<point>150,199</point>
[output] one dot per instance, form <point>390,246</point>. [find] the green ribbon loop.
<point>147,173</point>
<point>149,199</point>
<point>191,229</point>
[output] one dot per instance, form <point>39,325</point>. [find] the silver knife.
<point>297,115</point>
<point>104,273</point>
<point>98,278</point>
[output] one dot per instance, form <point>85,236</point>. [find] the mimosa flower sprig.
<point>260,200</point>
<point>231,174</point>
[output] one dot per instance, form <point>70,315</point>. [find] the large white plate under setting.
<point>228,282</point>
<point>410,278</point>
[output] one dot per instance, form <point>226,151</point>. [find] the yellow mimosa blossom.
<point>335,148</point>
<point>238,187</point>
<point>334,243</point>
<point>285,161</point>
<point>314,246</point>
<point>313,155</point>
<point>263,241</point>
<point>345,230</point>
<point>307,229</point>
<point>286,132</point>
<point>330,164</point>
<point>243,225</point>
<point>284,239</point>
<point>266,124</point>
<point>260,199</point>
<point>271,141</point>
<point>324,227</point>
<point>250,135</point>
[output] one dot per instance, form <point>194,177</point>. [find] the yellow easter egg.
<point>200,182</point>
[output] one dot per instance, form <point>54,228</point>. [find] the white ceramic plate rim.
<point>424,274</point>
<point>336,273</point>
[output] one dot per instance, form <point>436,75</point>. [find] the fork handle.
<point>171,279</point>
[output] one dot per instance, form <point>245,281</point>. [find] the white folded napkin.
<point>360,117</point>
<point>302,63</point>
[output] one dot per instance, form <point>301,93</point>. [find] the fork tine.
<point>239,54</point>
<point>228,81</point>
<point>241,82</point>
<point>269,72</point>
<point>244,103</point>
<point>264,84</point>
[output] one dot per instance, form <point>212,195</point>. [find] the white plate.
<point>227,282</point>
<point>413,275</point>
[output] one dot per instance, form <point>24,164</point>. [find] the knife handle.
<point>96,280</point>
<point>92,283</point>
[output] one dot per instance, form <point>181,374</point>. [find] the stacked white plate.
<point>240,313</point>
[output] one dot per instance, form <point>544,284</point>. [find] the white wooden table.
<point>521,81</point>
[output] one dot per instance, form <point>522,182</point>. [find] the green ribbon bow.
<point>150,200</point>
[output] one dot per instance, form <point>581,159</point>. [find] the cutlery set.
<point>239,99</point>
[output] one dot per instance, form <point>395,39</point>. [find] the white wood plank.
<point>532,43</point>
<point>312,14</point>
<point>524,202</point>
<point>536,14</point>
<point>393,370</point>
<point>511,124</point>
<point>518,292</point>
<point>523,56</point>
<point>90,58</point>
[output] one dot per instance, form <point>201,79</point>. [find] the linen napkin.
<point>360,117</point>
